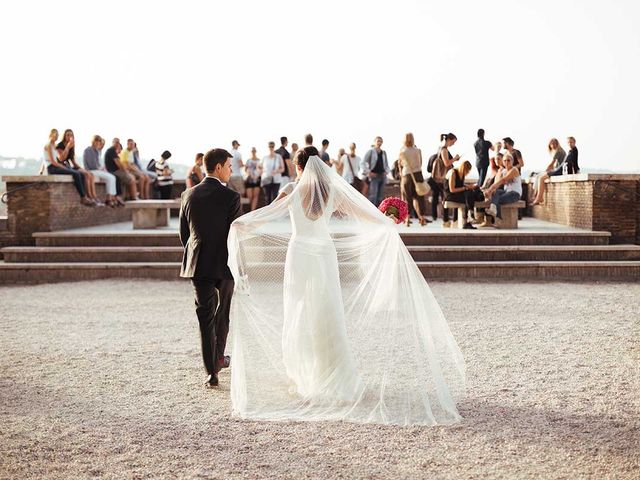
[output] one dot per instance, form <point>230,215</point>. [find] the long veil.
<point>409,369</point>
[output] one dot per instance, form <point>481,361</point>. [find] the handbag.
<point>421,187</point>
<point>356,183</point>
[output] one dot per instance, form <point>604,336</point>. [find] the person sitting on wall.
<point>507,188</point>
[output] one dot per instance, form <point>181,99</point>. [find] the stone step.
<point>419,253</point>
<point>441,237</point>
<point>30,273</point>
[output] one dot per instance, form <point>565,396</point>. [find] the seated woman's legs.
<point>540,188</point>
<point>502,198</point>
<point>78,180</point>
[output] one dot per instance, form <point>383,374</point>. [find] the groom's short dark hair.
<point>214,157</point>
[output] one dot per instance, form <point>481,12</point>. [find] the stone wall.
<point>50,202</point>
<point>601,202</point>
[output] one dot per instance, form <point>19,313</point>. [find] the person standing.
<point>350,168</point>
<point>206,213</point>
<point>55,167</point>
<point>572,157</point>
<point>288,176</point>
<point>518,161</point>
<point>165,175</point>
<point>271,168</point>
<point>236,182</point>
<point>482,148</point>
<point>194,174</point>
<point>375,167</point>
<point>91,162</point>
<point>323,154</point>
<point>336,163</point>
<point>441,165</point>
<point>252,182</point>
<point>410,162</point>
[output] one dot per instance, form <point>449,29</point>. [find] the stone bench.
<point>151,213</point>
<point>509,212</point>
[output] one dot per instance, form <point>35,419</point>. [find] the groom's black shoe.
<point>212,381</point>
<point>225,362</point>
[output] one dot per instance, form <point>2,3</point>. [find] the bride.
<point>332,320</point>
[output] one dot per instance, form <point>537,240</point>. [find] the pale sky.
<point>191,75</point>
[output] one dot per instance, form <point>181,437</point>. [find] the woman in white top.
<point>507,188</point>
<point>351,165</point>
<point>271,168</point>
<point>55,167</point>
<point>411,164</point>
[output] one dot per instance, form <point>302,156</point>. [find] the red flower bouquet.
<point>395,208</point>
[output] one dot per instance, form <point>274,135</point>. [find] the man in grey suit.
<point>206,214</point>
<point>375,167</point>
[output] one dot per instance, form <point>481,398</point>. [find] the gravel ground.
<point>103,379</point>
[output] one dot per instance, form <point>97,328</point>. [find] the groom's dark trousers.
<point>213,303</point>
<point>206,213</point>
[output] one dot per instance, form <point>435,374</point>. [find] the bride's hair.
<point>303,156</point>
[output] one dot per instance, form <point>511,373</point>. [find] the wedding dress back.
<point>331,318</point>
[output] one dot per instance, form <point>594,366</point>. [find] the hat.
<point>236,142</point>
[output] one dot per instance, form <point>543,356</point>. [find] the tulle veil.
<point>409,367</point>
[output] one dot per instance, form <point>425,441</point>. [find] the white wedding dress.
<point>331,318</point>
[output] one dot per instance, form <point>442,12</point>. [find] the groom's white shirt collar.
<point>221,182</point>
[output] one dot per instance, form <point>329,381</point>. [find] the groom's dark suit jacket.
<point>206,213</point>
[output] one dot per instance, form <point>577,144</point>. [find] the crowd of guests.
<point>443,177</point>
<point>499,174</point>
<point>120,169</point>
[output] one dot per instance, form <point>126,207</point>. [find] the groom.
<point>206,213</point>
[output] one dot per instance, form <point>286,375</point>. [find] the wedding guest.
<point>113,165</point>
<point>67,156</point>
<point>294,150</point>
<point>518,161</point>
<point>507,188</point>
<point>375,167</point>
<point>350,169</point>
<point>165,176</point>
<point>195,174</point>
<point>336,163</point>
<point>410,164</point>
<point>252,181</point>
<point>236,182</point>
<point>308,140</point>
<point>572,157</point>
<point>55,167</point>
<point>128,162</point>
<point>442,164</point>
<point>288,175</point>
<point>555,168</point>
<point>271,168</point>
<point>458,191</point>
<point>323,154</point>
<point>482,148</point>
<point>91,162</point>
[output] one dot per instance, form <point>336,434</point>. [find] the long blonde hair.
<point>409,141</point>
<point>463,169</point>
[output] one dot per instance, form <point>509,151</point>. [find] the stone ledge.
<point>54,179</point>
<point>589,177</point>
